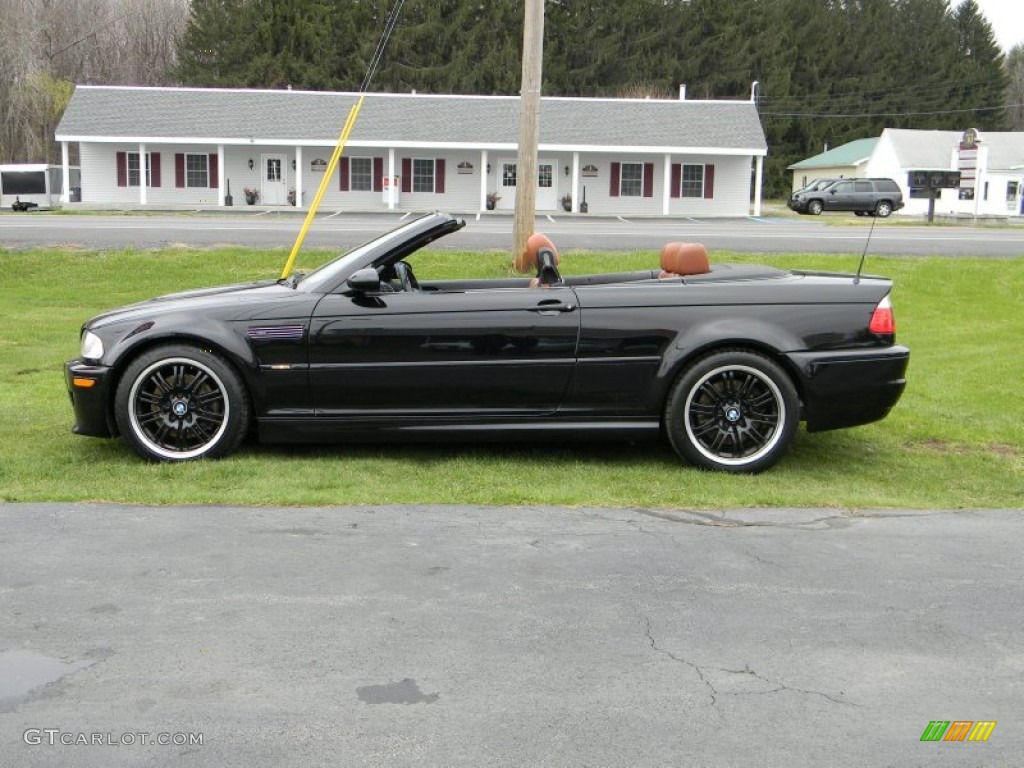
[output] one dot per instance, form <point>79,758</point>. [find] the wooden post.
<point>529,128</point>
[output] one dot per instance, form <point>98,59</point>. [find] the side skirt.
<point>324,430</point>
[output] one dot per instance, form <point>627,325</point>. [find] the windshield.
<point>327,275</point>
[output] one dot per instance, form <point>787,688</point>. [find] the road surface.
<point>343,231</point>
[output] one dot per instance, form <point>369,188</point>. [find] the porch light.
<point>251,163</point>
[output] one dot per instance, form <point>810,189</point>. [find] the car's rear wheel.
<point>883,209</point>
<point>732,411</point>
<point>815,207</point>
<point>177,402</point>
<point>860,213</point>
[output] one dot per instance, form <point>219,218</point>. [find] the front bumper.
<point>90,402</point>
<point>800,206</point>
<point>849,388</point>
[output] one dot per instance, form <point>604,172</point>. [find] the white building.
<point>991,167</point>
<point>185,146</point>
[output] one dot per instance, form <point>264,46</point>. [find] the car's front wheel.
<point>815,207</point>
<point>177,402</point>
<point>883,209</point>
<point>732,411</point>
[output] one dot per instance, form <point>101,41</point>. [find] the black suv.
<point>865,197</point>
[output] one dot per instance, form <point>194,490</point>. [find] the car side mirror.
<point>365,280</point>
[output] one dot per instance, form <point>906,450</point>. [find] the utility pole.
<point>529,128</point>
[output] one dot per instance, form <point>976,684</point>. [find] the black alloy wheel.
<point>732,411</point>
<point>176,403</point>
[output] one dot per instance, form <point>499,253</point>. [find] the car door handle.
<point>553,306</point>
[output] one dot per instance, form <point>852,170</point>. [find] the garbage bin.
<point>76,195</point>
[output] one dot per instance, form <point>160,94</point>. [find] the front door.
<point>274,191</point>
<point>547,188</point>
<point>497,351</point>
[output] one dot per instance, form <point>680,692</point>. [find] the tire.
<point>860,213</point>
<point>177,403</point>
<point>815,207</point>
<point>732,411</point>
<point>883,209</point>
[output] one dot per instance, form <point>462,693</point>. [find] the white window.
<point>693,181</point>
<point>197,172</point>
<point>133,170</point>
<point>361,174</point>
<point>423,175</point>
<point>631,182</point>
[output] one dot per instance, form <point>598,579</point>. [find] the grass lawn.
<point>956,439</point>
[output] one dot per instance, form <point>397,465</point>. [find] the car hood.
<point>201,298</point>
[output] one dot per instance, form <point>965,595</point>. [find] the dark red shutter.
<point>122,169</point>
<point>343,174</point>
<point>709,182</point>
<point>179,170</point>
<point>439,176</point>
<point>677,179</point>
<point>378,174</point>
<point>214,174</point>
<point>614,188</point>
<point>648,179</point>
<point>407,174</point>
<point>154,169</point>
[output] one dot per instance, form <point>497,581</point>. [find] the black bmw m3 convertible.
<point>722,360</point>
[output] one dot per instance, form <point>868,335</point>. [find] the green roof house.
<point>844,162</point>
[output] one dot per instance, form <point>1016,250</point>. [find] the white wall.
<point>462,191</point>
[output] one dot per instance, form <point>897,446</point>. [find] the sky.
<point>1006,18</point>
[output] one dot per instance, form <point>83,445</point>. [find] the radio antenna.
<point>856,278</point>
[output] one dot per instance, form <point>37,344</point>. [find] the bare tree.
<point>1015,89</point>
<point>50,45</point>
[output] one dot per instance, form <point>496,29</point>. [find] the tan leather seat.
<point>678,259</point>
<point>542,252</point>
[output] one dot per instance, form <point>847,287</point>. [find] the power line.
<point>816,115</point>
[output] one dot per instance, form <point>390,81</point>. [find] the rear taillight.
<point>882,320</point>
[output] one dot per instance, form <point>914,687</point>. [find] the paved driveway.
<point>470,636</point>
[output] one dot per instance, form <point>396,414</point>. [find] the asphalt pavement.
<point>336,230</point>
<point>479,636</point>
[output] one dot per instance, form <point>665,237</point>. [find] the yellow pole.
<point>328,175</point>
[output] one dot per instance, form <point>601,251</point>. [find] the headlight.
<point>92,346</point>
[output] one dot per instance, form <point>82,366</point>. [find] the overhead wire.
<point>346,130</point>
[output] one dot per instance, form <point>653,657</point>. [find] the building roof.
<point>852,153</point>
<point>932,150</point>
<point>195,115</point>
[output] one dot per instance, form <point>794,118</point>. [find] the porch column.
<point>222,172</point>
<point>391,174</point>
<point>298,178</point>
<point>143,181</point>
<point>758,174</point>
<point>65,161</point>
<point>575,182</point>
<point>666,185</point>
<point>483,180</point>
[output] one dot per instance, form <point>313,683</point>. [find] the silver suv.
<point>865,197</point>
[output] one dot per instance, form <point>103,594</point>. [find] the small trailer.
<point>25,186</point>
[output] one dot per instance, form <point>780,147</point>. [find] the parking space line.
<point>549,218</point>
<point>336,213</point>
<point>627,221</point>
